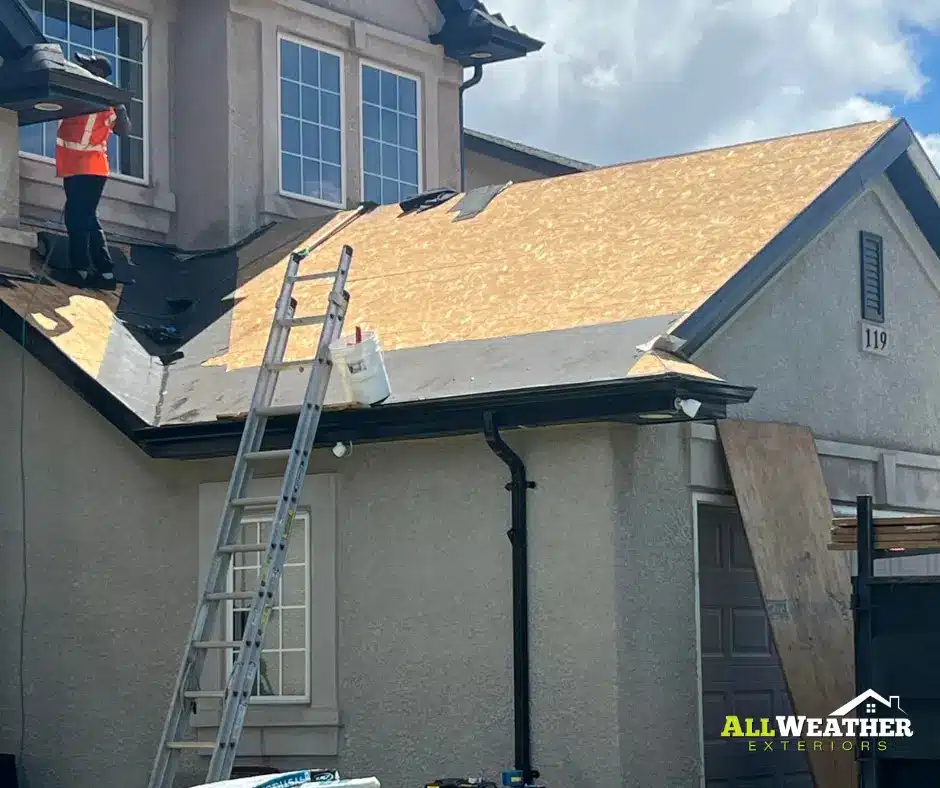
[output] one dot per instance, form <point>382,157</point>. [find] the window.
<point>391,163</point>
<point>873,277</point>
<point>311,123</point>
<point>92,29</point>
<point>284,672</point>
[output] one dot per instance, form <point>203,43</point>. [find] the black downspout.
<point>474,80</point>
<point>518,485</point>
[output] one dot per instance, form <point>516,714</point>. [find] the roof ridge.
<point>748,143</point>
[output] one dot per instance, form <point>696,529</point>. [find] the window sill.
<point>274,716</point>
<point>14,236</point>
<point>15,247</point>
<point>280,731</point>
<point>125,203</point>
<point>292,206</point>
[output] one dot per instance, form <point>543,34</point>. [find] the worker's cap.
<point>96,64</point>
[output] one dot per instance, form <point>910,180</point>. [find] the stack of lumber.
<point>891,533</point>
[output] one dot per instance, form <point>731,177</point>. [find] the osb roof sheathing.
<point>77,321</point>
<point>615,244</point>
<point>657,362</point>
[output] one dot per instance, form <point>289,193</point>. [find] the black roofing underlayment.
<point>177,308</point>
<point>476,200</point>
<point>197,393</point>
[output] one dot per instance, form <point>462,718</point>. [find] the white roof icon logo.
<point>893,701</point>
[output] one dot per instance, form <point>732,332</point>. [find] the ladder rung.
<point>190,745</point>
<point>197,694</point>
<point>243,548</point>
<point>207,644</point>
<point>258,500</point>
<point>232,596</point>
<point>279,410</point>
<point>311,277</point>
<point>307,320</point>
<point>274,454</point>
<point>280,366</point>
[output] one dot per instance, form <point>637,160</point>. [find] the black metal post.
<point>518,485</point>
<point>868,766</point>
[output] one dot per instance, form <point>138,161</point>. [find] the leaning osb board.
<point>781,493</point>
<point>609,245</point>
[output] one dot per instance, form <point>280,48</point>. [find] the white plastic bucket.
<point>361,368</point>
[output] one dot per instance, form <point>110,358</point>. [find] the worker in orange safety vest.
<point>81,158</point>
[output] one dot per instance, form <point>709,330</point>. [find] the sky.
<point>619,80</point>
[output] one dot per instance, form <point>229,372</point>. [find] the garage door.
<point>741,671</point>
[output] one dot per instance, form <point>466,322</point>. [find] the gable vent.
<point>873,277</point>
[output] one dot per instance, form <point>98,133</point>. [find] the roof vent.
<point>476,200</point>
<point>426,200</point>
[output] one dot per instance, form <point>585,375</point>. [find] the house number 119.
<point>875,339</point>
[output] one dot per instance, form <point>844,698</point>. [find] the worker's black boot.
<point>101,259</point>
<point>79,257</point>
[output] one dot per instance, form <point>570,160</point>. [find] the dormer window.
<point>311,122</point>
<point>93,29</point>
<point>391,134</point>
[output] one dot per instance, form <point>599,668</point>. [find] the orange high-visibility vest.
<point>82,144</point>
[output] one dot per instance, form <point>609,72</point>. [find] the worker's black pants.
<point>87,245</point>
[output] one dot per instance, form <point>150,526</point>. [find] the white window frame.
<point>145,81</point>
<point>310,44</point>
<point>419,106</point>
<point>312,726</point>
<point>301,518</point>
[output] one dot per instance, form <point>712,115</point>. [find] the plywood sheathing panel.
<point>614,244</point>
<point>658,362</point>
<point>77,321</point>
<point>781,493</point>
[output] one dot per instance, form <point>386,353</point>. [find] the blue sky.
<point>627,79</point>
<point>922,112</point>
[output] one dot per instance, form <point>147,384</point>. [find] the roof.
<point>491,306</point>
<point>473,36</point>
<point>549,164</point>
<point>611,245</point>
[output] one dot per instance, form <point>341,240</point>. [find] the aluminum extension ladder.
<point>241,678</point>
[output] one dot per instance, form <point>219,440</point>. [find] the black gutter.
<point>612,400</point>
<point>518,537</point>
<point>464,87</point>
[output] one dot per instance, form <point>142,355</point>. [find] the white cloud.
<point>931,143</point>
<point>625,79</point>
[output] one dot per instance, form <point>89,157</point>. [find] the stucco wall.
<point>423,600</point>
<point>111,563</point>
<point>657,613</point>
<point>798,342</point>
